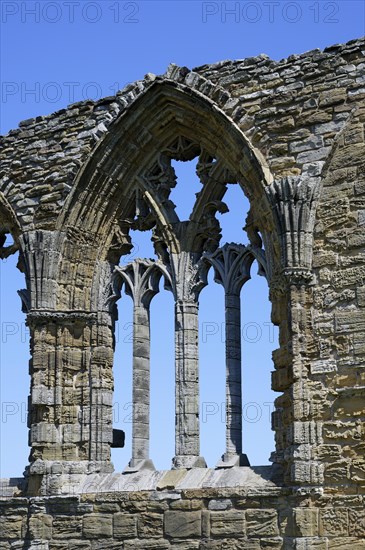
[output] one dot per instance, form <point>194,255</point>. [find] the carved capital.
<point>121,242</point>
<point>231,264</point>
<point>298,276</point>
<point>141,280</point>
<point>41,256</point>
<point>294,201</point>
<point>280,283</point>
<point>188,277</point>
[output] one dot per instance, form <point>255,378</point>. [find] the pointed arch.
<point>125,184</point>
<point>166,111</point>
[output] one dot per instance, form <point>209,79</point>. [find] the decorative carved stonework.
<point>294,201</point>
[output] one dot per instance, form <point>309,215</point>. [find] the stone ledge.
<point>257,480</point>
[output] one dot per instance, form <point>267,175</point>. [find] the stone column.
<point>231,265</point>
<point>70,413</point>
<point>186,284</point>
<point>298,431</point>
<point>70,406</point>
<point>141,389</point>
<point>233,376</point>
<point>101,385</point>
<point>233,455</point>
<point>187,444</point>
<point>141,282</point>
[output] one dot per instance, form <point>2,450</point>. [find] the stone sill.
<point>256,480</point>
<point>180,480</point>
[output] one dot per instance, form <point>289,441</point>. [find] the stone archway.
<point>167,110</point>
<point>125,183</point>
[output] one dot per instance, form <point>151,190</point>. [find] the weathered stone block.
<point>272,543</point>
<point>357,470</point>
<point>346,543</point>
<point>96,526</point>
<point>337,471</point>
<point>350,320</point>
<point>210,545</point>
<point>40,526</point>
<point>44,433</point>
<point>190,545</point>
<point>104,544</point>
<point>182,524</point>
<point>158,544</point>
<point>359,344</point>
<point>342,431</point>
<point>311,543</point>
<point>124,526</point>
<point>250,544</point>
<point>313,142</point>
<point>323,366</point>
<point>321,259</point>
<point>56,545</point>
<point>11,527</point>
<point>36,545</point>
<point>227,524</point>
<point>150,525</point>
<point>306,522</point>
<point>67,527</point>
<point>326,452</point>
<point>223,504</point>
<point>333,522</point>
<point>310,472</point>
<point>357,523</point>
<point>262,523</point>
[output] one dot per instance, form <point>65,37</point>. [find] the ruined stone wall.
<point>234,518</point>
<point>337,368</point>
<point>292,134</point>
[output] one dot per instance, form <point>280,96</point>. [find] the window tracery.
<point>185,252</point>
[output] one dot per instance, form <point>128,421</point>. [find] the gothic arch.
<point>119,187</point>
<point>125,184</point>
<point>102,197</point>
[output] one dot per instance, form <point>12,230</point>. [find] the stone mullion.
<point>233,376</point>
<point>187,445</point>
<point>141,387</point>
<point>232,265</point>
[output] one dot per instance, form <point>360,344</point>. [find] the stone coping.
<point>256,478</point>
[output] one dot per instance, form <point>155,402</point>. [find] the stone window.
<point>185,251</point>
<point>74,277</point>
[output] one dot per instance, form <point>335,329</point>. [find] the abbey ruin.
<point>74,184</point>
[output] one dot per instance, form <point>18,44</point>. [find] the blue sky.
<point>58,52</point>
